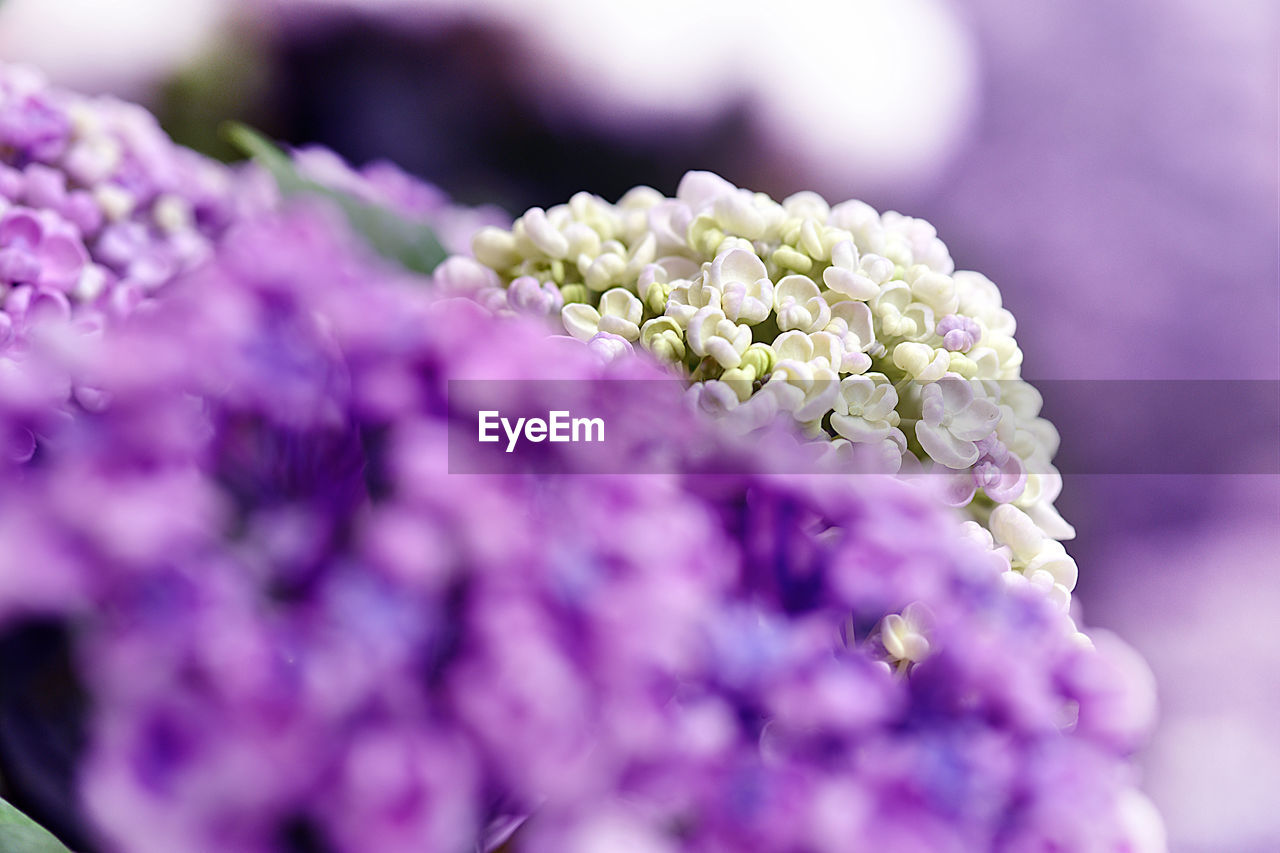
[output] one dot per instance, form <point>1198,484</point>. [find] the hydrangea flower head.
<point>854,323</point>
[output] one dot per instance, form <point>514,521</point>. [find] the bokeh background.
<point>1112,166</point>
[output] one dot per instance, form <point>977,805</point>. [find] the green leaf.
<point>20,834</point>
<point>411,244</point>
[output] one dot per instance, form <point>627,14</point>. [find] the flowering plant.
<point>854,324</point>
<point>299,631</point>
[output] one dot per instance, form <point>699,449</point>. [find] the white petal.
<point>543,234</point>
<point>619,326</point>
<point>855,362</point>
<point>1013,527</point>
<point>580,320</point>
<point>738,215</point>
<point>944,447</point>
<point>701,188</point>
<point>702,328</point>
<point>844,255</point>
<point>957,393</point>
<point>883,400</point>
<point>936,368</point>
<point>975,421</point>
<point>937,291</point>
<point>795,346</point>
<point>933,407</point>
<point>1058,564</point>
<point>857,317</point>
<point>915,359</point>
<point>737,265</point>
<point>798,288</point>
<point>1046,517</point>
<point>858,429</point>
<point>821,397</point>
<point>850,283</point>
<point>714,397</point>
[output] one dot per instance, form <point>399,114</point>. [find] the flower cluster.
<point>100,211</point>
<point>854,323</point>
<point>301,631</point>
<point>98,208</point>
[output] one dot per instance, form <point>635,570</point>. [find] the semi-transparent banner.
<point>615,426</point>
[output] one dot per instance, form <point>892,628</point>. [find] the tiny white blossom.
<point>921,362</point>
<point>495,248</point>
<point>800,305</point>
<point>713,397</point>
<point>602,272</point>
<point>744,285</point>
<point>933,289</point>
<point>851,323</point>
<point>609,347</point>
<point>905,637</point>
<point>663,337</point>
<point>737,213</point>
<point>845,275</point>
<point>953,420</point>
<point>1032,551</point>
<point>809,389</point>
<point>687,298</point>
<point>807,205</point>
<point>712,334</point>
<point>822,349</point>
<point>619,314</point>
<point>534,228</point>
<point>527,295</point>
<point>865,411</point>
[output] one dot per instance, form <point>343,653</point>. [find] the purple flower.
<point>98,208</point>
<point>46,254</point>
<point>387,185</point>
<point>997,472</point>
<point>958,333</point>
<point>29,123</point>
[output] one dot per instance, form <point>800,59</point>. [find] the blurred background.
<point>1111,166</point>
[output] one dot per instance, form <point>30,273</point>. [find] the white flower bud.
<point>495,248</point>
<point>747,292</point>
<point>921,362</point>
<point>711,334</point>
<point>545,237</point>
<point>800,305</point>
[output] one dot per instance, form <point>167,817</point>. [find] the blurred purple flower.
<point>98,208</point>
<point>387,185</point>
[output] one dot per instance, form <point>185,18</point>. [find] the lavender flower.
<point>120,208</point>
<point>100,212</point>
<point>301,631</point>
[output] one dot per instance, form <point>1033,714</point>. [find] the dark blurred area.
<point>440,106</point>
<point>453,105</point>
<point>43,727</point>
